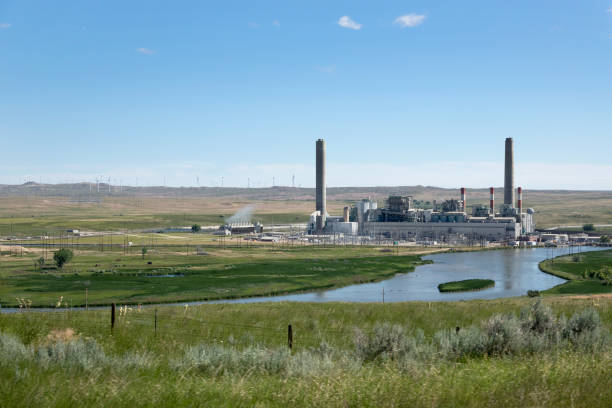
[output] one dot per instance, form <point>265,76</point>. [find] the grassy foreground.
<point>466,285</point>
<point>179,276</point>
<point>236,355</point>
<point>587,273</point>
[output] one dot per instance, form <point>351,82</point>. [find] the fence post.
<point>112,317</point>
<point>290,337</point>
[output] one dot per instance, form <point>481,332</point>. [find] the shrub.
<point>218,360</point>
<point>538,318</point>
<point>470,342</point>
<point>536,330</point>
<point>62,256</point>
<point>306,363</point>
<point>503,335</point>
<point>386,342</point>
<point>81,354</point>
<point>585,331</point>
<point>323,350</point>
<point>533,293</point>
<point>12,349</point>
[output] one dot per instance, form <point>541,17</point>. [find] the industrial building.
<point>398,219</point>
<point>239,228</point>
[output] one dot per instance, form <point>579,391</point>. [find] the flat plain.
<point>515,352</point>
<point>34,209</point>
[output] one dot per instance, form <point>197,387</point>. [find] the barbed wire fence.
<point>138,323</point>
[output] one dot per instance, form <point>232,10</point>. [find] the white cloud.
<point>410,20</point>
<point>5,25</point>
<point>253,25</point>
<point>146,51</point>
<point>347,22</point>
<point>276,23</point>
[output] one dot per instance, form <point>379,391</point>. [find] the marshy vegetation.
<point>222,274</point>
<point>466,285</point>
<point>587,272</point>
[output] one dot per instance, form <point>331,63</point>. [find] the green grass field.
<point>220,274</point>
<point>246,362</point>
<point>466,285</point>
<point>573,268</point>
<point>237,354</point>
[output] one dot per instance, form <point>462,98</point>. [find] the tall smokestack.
<point>520,200</point>
<point>463,199</point>
<point>509,174</point>
<point>321,199</point>
<point>345,214</point>
<point>492,200</point>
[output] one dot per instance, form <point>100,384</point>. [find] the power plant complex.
<point>399,219</point>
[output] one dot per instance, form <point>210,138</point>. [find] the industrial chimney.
<point>492,200</point>
<point>463,199</point>
<point>520,200</point>
<point>509,173</point>
<point>345,214</point>
<point>321,198</point>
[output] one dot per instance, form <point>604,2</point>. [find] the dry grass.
<point>158,207</point>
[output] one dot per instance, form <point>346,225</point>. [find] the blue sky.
<point>404,92</point>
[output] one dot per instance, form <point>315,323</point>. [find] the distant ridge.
<point>90,191</point>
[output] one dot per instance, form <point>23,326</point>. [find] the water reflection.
<point>515,271</point>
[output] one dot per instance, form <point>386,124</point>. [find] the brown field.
<point>34,208</point>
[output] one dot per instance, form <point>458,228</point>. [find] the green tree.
<point>62,256</point>
<point>195,228</point>
<point>604,239</point>
<point>143,251</point>
<point>588,227</point>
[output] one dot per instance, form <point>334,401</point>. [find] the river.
<point>515,271</point>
